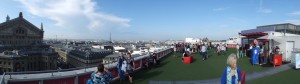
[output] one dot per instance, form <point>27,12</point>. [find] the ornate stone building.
<point>22,49</point>
<point>86,57</point>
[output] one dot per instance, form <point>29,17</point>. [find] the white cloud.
<point>296,13</point>
<point>296,22</point>
<point>74,13</point>
<point>220,9</point>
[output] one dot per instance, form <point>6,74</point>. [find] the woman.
<point>101,76</point>
<point>130,67</point>
<point>232,74</point>
<point>218,49</point>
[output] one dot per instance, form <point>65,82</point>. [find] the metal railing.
<point>2,81</point>
<point>49,71</point>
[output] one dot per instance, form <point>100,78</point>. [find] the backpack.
<point>90,80</point>
<point>103,80</point>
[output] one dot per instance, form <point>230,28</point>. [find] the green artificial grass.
<point>172,68</point>
<point>286,77</point>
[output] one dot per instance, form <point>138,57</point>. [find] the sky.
<point>150,19</point>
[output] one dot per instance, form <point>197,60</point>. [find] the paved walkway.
<point>249,77</point>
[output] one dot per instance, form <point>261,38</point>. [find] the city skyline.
<point>150,20</point>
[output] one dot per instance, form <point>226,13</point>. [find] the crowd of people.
<point>265,54</point>
<point>125,65</point>
<point>202,48</point>
<point>151,62</point>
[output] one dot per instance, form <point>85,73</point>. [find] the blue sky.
<point>151,19</point>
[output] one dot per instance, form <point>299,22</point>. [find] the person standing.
<point>223,49</point>
<point>207,50</point>
<point>232,73</point>
<point>237,50</point>
<point>120,64</point>
<point>130,67</point>
<point>264,53</point>
<point>215,48</point>
<point>218,49</point>
<point>204,51</point>
<point>255,53</point>
<point>241,51</point>
<point>261,55</point>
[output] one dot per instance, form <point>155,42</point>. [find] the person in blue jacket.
<point>231,74</point>
<point>120,60</point>
<point>101,76</point>
<point>255,52</point>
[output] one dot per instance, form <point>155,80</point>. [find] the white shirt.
<point>203,49</point>
<point>237,46</point>
<point>124,64</point>
<point>223,48</point>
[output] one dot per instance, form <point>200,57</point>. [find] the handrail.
<point>71,69</point>
<point>2,79</point>
<point>47,71</point>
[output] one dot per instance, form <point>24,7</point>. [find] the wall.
<point>281,43</point>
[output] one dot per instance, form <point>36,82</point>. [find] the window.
<point>0,62</point>
<point>8,63</point>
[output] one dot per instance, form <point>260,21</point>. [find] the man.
<point>223,49</point>
<point>207,50</point>
<point>237,50</point>
<point>204,51</point>
<point>255,52</point>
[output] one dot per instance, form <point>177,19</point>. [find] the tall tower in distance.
<point>110,41</point>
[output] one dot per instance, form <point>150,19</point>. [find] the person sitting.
<point>185,54</point>
<point>150,62</point>
<point>101,76</point>
<point>231,74</point>
<point>155,61</point>
<point>145,65</point>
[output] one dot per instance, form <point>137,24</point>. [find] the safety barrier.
<point>70,76</point>
<point>2,78</point>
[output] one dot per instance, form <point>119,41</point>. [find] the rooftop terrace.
<point>172,69</point>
